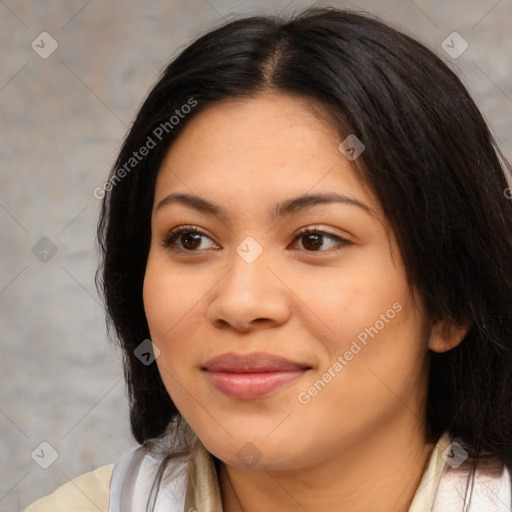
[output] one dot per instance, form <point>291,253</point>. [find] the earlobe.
<point>446,335</point>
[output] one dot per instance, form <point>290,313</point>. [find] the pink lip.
<point>252,375</point>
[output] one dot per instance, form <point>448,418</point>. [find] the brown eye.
<point>185,239</point>
<point>190,240</point>
<point>313,240</point>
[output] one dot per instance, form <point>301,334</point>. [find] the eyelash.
<point>169,240</point>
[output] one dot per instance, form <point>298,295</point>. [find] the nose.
<point>251,295</point>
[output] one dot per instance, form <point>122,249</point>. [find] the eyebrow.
<point>282,209</point>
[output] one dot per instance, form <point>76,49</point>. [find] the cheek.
<point>170,296</point>
<point>345,301</point>
<point>377,331</point>
<point>165,304</point>
<point>171,303</point>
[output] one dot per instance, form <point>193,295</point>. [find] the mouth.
<point>253,375</point>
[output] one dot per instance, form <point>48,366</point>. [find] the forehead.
<point>278,125</point>
<point>266,142</point>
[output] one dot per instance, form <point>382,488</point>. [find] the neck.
<point>380,474</point>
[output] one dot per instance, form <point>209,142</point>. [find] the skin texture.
<point>359,443</point>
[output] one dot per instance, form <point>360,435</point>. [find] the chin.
<point>255,452</point>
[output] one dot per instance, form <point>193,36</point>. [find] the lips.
<point>251,363</point>
<point>253,375</point>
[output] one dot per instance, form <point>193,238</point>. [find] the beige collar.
<point>203,490</point>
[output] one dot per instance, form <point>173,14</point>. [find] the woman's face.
<point>334,302</point>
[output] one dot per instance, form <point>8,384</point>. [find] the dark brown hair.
<point>429,158</point>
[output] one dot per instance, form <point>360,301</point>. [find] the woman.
<point>306,242</point>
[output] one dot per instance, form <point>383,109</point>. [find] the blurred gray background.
<point>63,116</point>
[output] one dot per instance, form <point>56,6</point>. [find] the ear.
<point>446,335</point>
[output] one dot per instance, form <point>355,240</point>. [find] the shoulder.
<point>135,475</point>
<point>491,489</point>
<point>86,493</point>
